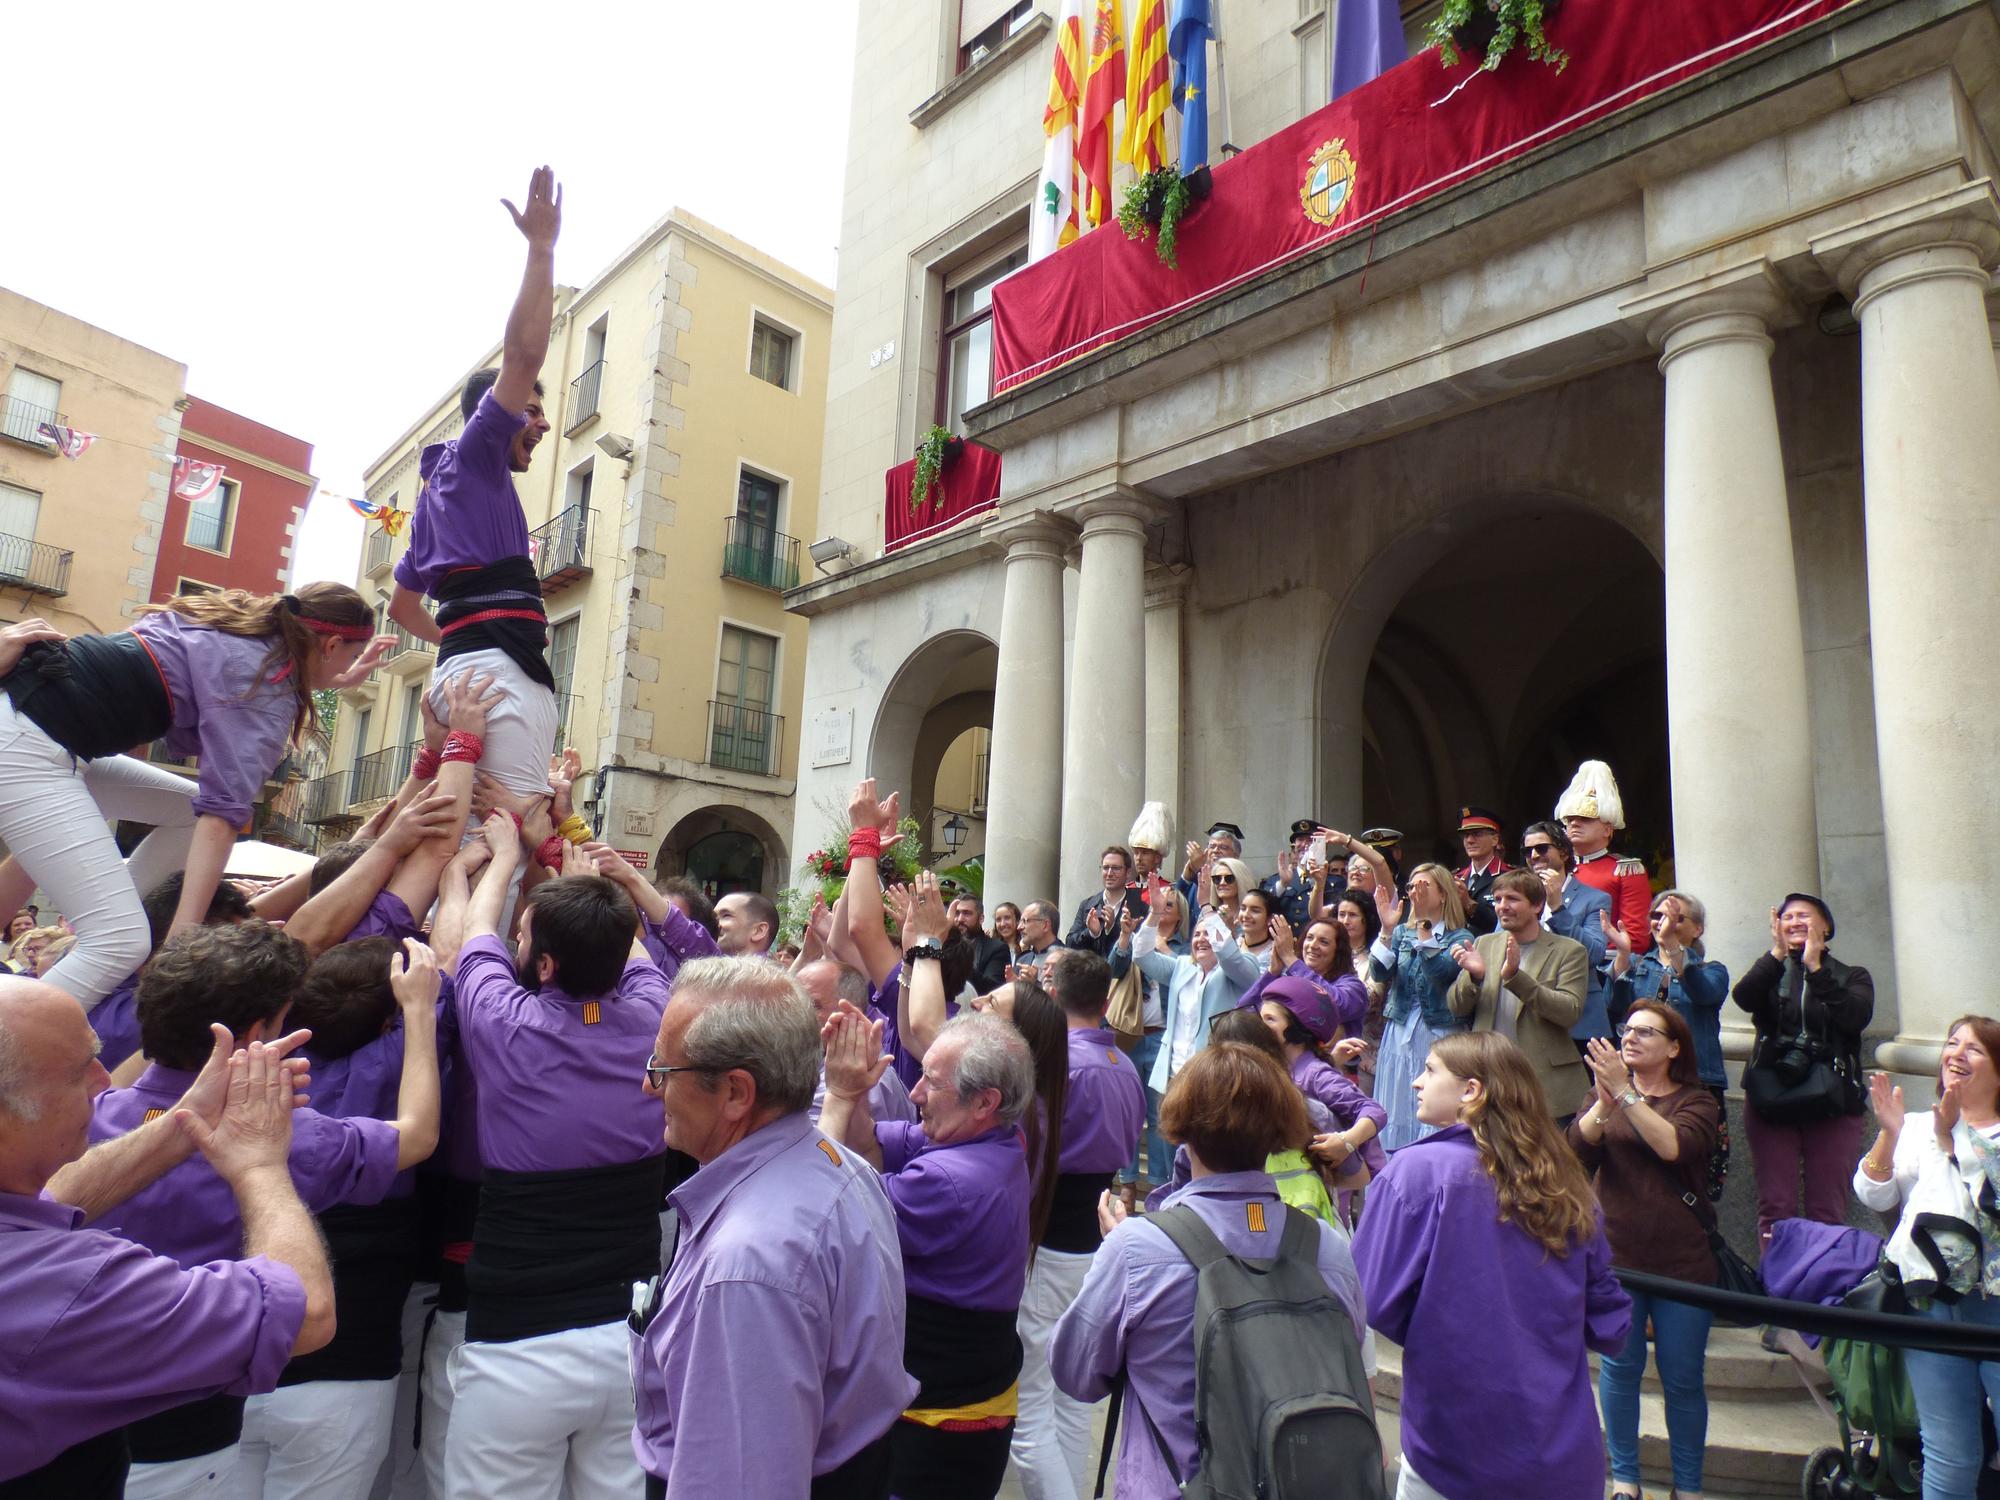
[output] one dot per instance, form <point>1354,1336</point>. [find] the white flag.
<point>1052,220</point>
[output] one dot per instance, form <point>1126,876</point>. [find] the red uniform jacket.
<point>1631,893</point>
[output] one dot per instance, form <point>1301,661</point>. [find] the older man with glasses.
<point>768,1358</point>
<point>1575,911</point>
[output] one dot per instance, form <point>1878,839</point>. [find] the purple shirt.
<point>559,1078</point>
<point>467,514</point>
<point>788,1249</point>
<point>96,1332</point>
<point>1136,1313</point>
<point>888,1100</point>
<point>189,1214</point>
<point>115,1019</point>
<point>677,940</point>
<point>227,710</point>
<point>1435,1261</point>
<point>386,916</point>
<point>1346,1103</point>
<point>368,1083</point>
<point>1105,1107</point>
<point>961,1214</point>
<point>1348,994</point>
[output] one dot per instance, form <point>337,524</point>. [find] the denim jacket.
<point>1698,995</point>
<point>1419,974</point>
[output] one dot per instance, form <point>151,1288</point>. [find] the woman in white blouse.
<point>1942,1167</point>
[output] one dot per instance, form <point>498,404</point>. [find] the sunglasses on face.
<point>1225,880</point>
<point>1531,850</point>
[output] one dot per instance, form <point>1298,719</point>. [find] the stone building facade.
<point>1675,441</point>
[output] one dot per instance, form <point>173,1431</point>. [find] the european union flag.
<point>1187,50</point>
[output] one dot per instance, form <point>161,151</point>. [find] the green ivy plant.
<point>1516,23</point>
<point>1172,191</point>
<point>930,464</point>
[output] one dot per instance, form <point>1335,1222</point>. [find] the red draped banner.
<point>1413,132</point>
<point>969,484</point>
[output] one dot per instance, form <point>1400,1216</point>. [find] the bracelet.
<point>425,766</point>
<point>928,948</point>
<point>551,852</point>
<point>574,829</point>
<point>459,745</point>
<point>864,843</point>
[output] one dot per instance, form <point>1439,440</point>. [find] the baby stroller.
<point>1870,1400</point>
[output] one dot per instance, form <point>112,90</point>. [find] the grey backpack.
<point>1281,1403</point>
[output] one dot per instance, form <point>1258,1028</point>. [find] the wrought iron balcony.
<point>561,548</point>
<point>405,644</point>
<point>380,547</point>
<point>280,828</point>
<point>34,566</point>
<point>754,553</point>
<point>20,420</point>
<point>378,775</point>
<point>583,396</point>
<point>744,738</point>
<point>326,799</point>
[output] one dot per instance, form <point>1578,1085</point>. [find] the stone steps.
<point>1762,1422</point>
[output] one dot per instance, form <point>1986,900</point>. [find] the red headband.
<point>345,632</point>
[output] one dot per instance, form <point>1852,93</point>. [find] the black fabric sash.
<point>187,1431</point>
<point>958,1355</point>
<point>94,695</point>
<point>508,584</point>
<point>450,1213</point>
<point>560,1250</point>
<point>93,1469</point>
<point>374,1252</point>
<point>1073,1214</point>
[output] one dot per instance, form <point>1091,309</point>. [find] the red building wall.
<point>273,471</point>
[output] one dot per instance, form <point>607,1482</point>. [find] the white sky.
<point>302,204</point>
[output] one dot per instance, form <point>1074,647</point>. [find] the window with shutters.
<point>31,400</point>
<point>984,24</point>
<point>772,350</point>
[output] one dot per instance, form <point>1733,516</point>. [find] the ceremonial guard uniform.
<point>1594,794</point>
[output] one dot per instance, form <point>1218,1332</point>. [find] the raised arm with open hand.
<point>526,342</point>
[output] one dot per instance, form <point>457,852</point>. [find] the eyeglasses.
<point>1225,879</point>
<point>1531,850</point>
<point>657,1072</point>
<point>1641,1032</point>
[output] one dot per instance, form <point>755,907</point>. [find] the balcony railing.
<point>379,547</point>
<point>19,421</point>
<point>561,548</point>
<point>406,643</point>
<point>277,827</point>
<point>379,775</point>
<point>34,566</point>
<point>326,798</point>
<point>756,554</point>
<point>583,395</point>
<point>744,738</point>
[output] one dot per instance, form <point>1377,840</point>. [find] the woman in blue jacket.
<point>1413,958</point>
<point>1207,983</point>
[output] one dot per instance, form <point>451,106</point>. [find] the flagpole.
<point>1229,147</point>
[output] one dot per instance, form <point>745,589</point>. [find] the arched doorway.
<point>931,736</point>
<point>726,862</point>
<point>724,849</point>
<point>1512,642</point>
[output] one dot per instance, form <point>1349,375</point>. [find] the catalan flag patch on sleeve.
<point>152,1115</point>
<point>1255,1214</point>
<point>593,1012</point>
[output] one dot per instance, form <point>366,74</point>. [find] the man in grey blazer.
<point>1528,983</point>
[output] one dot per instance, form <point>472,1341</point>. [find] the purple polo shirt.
<point>677,940</point>
<point>115,1019</point>
<point>467,512</point>
<point>961,1214</point>
<point>1105,1107</point>
<point>387,916</point>
<point>189,1214</point>
<point>559,1078</point>
<point>96,1332</point>
<point>368,1082</point>
<point>1345,1102</point>
<point>1136,1313</point>
<point>787,1248</point>
<point>1436,1261</point>
<point>227,711</point>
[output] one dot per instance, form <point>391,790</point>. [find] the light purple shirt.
<point>189,1214</point>
<point>1105,1107</point>
<point>387,916</point>
<point>467,513</point>
<point>1436,1260</point>
<point>226,709</point>
<point>1136,1313</point>
<point>1348,994</point>
<point>1319,1081</point>
<point>115,1019</point>
<point>96,1332</point>
<point>961,1214</point>
<point>777,1352</point>
<point>888,1100</point>
<point>559,1078</point>
<point>677,939</point>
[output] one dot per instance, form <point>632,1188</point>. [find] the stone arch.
<point>723,818</point>
<point>942,689</point>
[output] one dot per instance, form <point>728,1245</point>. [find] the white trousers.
<point>401,1476</point>
<point>321,1440</point>
<point>1051,1447</point>
<point>53,809</point>
<point>440,1348</point>
<point>206,1477</point>
<point>543,1418</point>
<point>1410,1487</point>
<point>520,728</point>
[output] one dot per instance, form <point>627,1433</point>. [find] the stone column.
<point>1740,735</point>
<point>1166,597</point>
<point>1930,434</point>
<point>1104,753</point>
<point>1024,779</point>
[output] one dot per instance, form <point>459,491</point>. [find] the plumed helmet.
<point>1593,794</point>
<point>1152,829</point>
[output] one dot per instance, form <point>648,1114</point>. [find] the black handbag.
<point>1794,1080</point>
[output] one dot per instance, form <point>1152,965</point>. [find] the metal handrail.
<point>583,394</point>
<point>742,737</point>
<point>325,797</point>
<point>32,565</point>
<point>754,553</point>
<point>378,775</point>
<point>561,542</point>
<point>380,544</point>
<point>405,643</point>
<point>20,419</point>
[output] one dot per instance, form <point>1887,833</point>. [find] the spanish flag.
<point>1053,222</point>
<point>1103,87</point>
<point>1148,90</point>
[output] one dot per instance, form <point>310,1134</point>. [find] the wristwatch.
<point>926,949</point>
<point>1630,1097</point>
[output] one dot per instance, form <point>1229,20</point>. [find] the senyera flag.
<point>1053,219</point>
